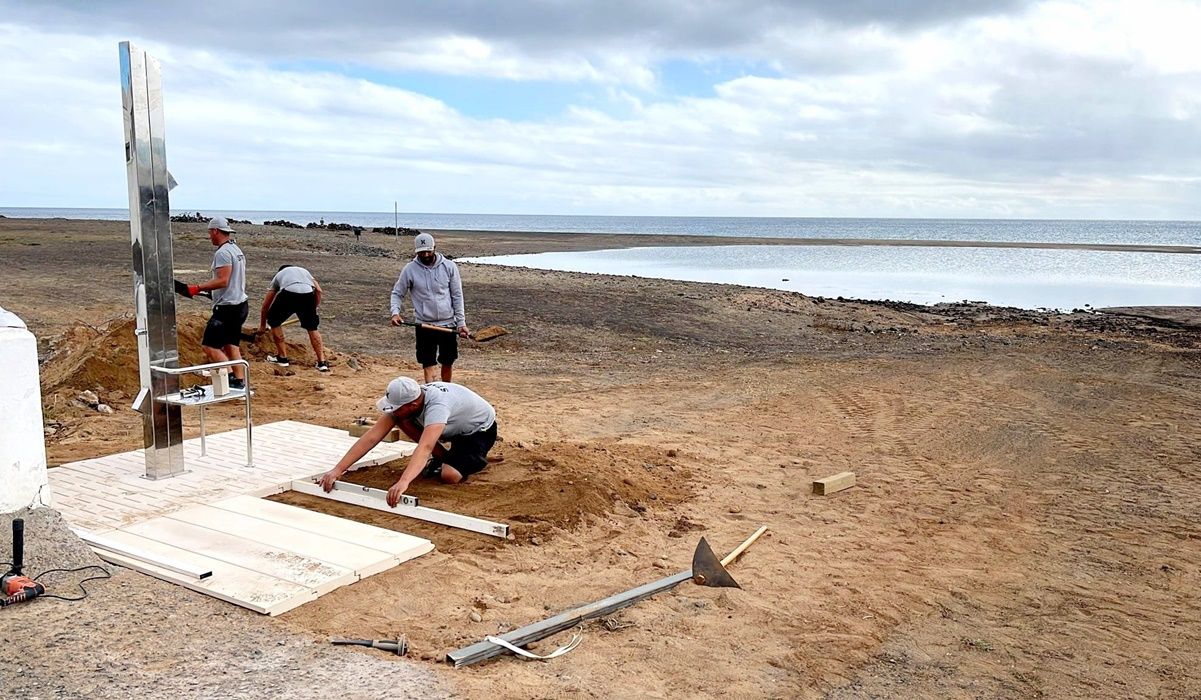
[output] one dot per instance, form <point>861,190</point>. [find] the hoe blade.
<point>707,569</point>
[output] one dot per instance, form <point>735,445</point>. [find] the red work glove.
<point>193,290</point>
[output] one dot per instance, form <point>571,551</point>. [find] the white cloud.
<point>1083,109</point>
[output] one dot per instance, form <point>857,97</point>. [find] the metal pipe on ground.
<point>706,571</point>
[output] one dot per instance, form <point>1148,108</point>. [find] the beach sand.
<point>1024,522</point>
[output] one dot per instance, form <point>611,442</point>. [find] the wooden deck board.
<point>398,544</point>
<point>283,451</point>
<point>265,556</point>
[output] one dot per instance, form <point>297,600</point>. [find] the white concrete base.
<point>23,481</point>
<point>265,556</point>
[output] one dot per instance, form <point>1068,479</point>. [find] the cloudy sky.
<point>942,108</point>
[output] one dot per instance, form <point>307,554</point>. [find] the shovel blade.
<point>707,569</point>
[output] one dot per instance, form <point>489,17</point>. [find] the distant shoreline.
<point>591,240</point>
<point>1169,237</point>
<point>698,240</point>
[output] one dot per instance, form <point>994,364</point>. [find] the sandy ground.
<point>1024,524</point>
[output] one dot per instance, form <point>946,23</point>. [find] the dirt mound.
<point>538,490</point>
<point>105,358</point>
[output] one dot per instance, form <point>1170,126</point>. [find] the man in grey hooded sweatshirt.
<point>432,282</point>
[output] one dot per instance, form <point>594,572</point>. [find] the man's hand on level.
<point>327,479</point>
<point>396,492</point>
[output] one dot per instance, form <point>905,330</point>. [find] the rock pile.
<point>402,231</point>
<point>199,218</point>
<point>331,226</point>
<point>92,401</point>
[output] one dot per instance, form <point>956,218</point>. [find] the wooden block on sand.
<point>357,429</point>
<point>833,484</point>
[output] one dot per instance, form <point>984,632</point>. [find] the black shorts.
<point>287,303</point>
<point>225,326</point>
<point>436,347</point>
<point>469,453</point>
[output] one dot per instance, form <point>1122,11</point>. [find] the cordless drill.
<point>15,586</point>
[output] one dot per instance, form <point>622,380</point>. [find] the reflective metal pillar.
<point>153,276</point>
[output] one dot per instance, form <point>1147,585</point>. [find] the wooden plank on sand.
<point>833,484</point>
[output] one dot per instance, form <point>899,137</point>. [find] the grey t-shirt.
<point>230,255</point>
<point>293,279</point>
<point>462,410</point>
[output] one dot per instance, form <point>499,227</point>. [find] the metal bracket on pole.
<point>368,497</point>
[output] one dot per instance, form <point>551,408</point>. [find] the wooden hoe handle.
<point>742,547</point>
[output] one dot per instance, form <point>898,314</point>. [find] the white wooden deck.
<point>109,492</point>
<point>266,556</point>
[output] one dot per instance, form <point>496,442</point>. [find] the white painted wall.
<point>23,480</point>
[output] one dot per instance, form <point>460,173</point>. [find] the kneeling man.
<point>428,414</point>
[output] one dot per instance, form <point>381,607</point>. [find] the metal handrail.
<point>217,365</point>
<point>197,368</point>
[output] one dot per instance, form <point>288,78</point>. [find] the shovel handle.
<point>428,326</point>
<point>742,547</point>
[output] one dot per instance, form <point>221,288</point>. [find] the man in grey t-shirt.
<point>294,290</point>
<point>223,334</point>
<point>428,414</point>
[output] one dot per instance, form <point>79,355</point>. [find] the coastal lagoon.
<point>965,269</point>
<point>1024,278</point>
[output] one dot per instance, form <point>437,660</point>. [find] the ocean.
<point>1015,230</point>
<point>1026,278</point>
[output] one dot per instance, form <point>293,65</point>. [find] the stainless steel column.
<point>153,274</point>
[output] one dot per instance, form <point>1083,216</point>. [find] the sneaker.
<point>323,366</point>
<point>278,360</point>
<point>235,383</point>
<point>433,469</point>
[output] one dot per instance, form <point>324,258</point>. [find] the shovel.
<point>252,335</point>
<point>182,290</point>
<point>481,336</point>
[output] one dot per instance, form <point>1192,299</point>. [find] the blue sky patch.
<point>685,78</point>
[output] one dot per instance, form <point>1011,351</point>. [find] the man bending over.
<point>428,414</point>
<point>294,290</point>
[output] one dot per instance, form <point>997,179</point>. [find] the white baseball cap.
<point>401,391</point>
<point>423,242</point>
<point>219,223</point>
